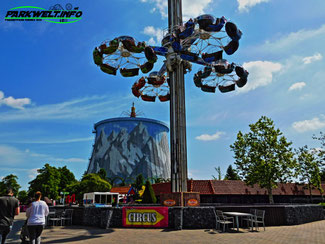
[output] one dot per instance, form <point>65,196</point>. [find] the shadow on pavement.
<point>170,230</point>
<point>14,235</point>
<point>92,234</point>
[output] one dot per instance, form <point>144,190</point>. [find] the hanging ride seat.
<point>97,56</point>
<point>241,81</point>
<point>241,72</point>
<point>197,80</point>
<point>146,67</point>
<point>148,98</point>
<point>108,69</point>
<point>150,55</point>
<point>129,72</point>
<point>135,91</point>
<point>233,32</point>
<point>113,45</point>
<point>212,57</point>
<point>207,88</point>
<point>224,69</point>
<point>232,47</point>
<point>164,98</point>
<point>227,88</point>
<point>188,56</point>
<point>156,81</point>
<point>204,21</point>
<point>219,24</point>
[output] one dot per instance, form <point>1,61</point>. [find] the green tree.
<point>139,182</point>
<point>121,180</point>
<point>47,181</point>
<point>102,173</point>
<point>66,178</point>
<point>149,194</point>
<point>322,175</point>
<point>231,174</point>
<point>218,169</point>
<point>89,183</point>
<point>23,197</point>
<point>308,168</point>
<point>263,156</point>
<point>321,139</point>
<point>9,181</point>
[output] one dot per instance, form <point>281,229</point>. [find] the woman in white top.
<point>36,215</point>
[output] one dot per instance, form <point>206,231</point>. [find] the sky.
<point>51,92</point>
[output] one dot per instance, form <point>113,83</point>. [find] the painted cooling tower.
<point>126,147</point>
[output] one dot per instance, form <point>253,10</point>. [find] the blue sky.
<point>51,92</point>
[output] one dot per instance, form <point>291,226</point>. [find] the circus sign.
<point>145,216</point>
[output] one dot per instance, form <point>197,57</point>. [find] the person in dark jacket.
<point>9,207</point>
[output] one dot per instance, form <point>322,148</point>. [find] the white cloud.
<point>190,8</point>
<point>291,40</point>
<point>55,141</point>
<point>315,57</point>
<point>160,5</point>
<point>297,86</point>
<point>309,125</point>
<point>245,5</point>
<point>11,156</point>
<point>194,8</point>
<point>260,74</point>
<point>206,137</point>
<point>81,108</point>
<point>156,35</point>
<point>32,173</point>
<point>18,103</point>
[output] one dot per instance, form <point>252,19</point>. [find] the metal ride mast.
<point>178,148</point>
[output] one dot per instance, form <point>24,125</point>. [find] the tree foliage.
<point>139,182</point>
<point>219,177</point>
<point>231,174</point>
<point>51,181</point>
<point>308,168</point>
<point>321,151</point>
<point>47,181</point>
<point>149,194</point>
<point>102,173</point>
<point>263,156</point>
<point>23,197</point>
<point>66,178</point>
<point>9,181</point>
<point>89,183</point>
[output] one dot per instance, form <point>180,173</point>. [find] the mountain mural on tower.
<point>128,154</point>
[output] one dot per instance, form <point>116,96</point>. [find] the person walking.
<point>9,207</point>
<point>36,215</point>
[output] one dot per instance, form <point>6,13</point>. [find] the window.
<point>109,199</point>
<point>97,198</point>
<point>103,199</point>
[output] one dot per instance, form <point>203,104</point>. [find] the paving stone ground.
<point>309,233</point>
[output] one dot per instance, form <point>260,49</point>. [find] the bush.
<point>149,194</point>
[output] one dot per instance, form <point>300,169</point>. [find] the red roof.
<point>235,187</point>
<point>121,189</point>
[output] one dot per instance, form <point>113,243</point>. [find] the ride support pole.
<point>178,148</point>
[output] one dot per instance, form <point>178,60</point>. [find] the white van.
<point>100,199</point>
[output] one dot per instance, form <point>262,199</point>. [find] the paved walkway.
<point>300,234</point>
